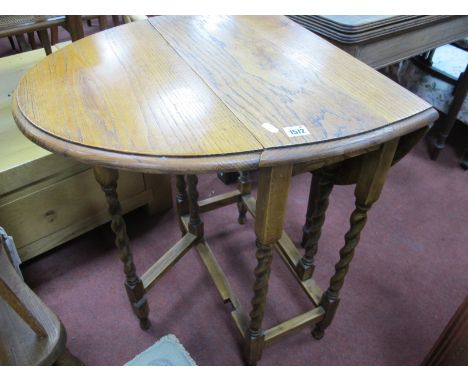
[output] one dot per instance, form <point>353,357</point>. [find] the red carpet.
<point>407,278</point>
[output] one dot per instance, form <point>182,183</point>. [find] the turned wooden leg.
<point>102,22</point>
<point>22,43</point>
<point>447,123</point>
<point>74,26</point>
<point>195,223</point>
<point>245,187</point>
<point>320,189</point>
<point>272,197</point>
<point>107,178</point>
<point>374,169</point>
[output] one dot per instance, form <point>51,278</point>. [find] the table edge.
<point>349,146</point>
<point>321,151</point>
<point>133,162</point>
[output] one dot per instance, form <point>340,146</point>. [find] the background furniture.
<point>383,40</point>
<point>30,333</point>
<point>446,124</point>
<point>451,348</point>
<point>19,25</point>
<point>239,102</point>
<point>380,41</point>
<point>46,199</point>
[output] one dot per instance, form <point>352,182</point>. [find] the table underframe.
<point>269,212</point>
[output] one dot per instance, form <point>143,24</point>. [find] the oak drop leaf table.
<point>191,95</point>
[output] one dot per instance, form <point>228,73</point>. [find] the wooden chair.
<point>30,333</point>
<point>17,26</point>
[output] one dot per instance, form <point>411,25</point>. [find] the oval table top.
<point>188,94</point>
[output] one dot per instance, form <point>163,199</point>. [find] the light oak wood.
<point>157,107</point>
<point>158,269</point>
<point>284,75</point>
<point>270,79</point>
<point>277,332</point>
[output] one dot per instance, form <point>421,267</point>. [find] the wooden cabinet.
<point>46,199</point>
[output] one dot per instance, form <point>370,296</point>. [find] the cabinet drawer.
<point>62,204</point>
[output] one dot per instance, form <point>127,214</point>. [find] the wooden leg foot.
<point>145,324</point>
<point>318,333</point>
<point>137,298</point>
<point>254,344</point>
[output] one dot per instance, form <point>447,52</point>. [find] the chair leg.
<point>44,37</point>
<point>368,188</point>
<point>22,43</point>
<point>103,22</point>
<point>31,40</point>
<point>116,20</point>
<point>74,26</point>
<point>54,35</point>
<point>12,42</point>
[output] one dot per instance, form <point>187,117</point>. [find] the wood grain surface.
<point>269,69</point>
<point>193,94</point>
<point>126,90</point>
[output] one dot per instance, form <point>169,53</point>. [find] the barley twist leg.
<point>195,222</point>
<point>330,298</point>
<point>181,200</point>
<point>107,178</point>
<point>255,336</point>
<point>320,190</point>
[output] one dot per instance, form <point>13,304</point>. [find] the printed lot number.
<point>296,131</point>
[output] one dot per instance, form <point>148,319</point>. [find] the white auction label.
<point>296,131</point>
